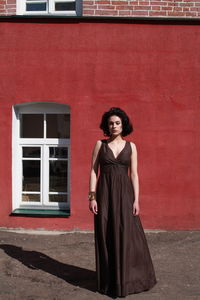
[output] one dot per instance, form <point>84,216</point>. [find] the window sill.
<point>40,212</point>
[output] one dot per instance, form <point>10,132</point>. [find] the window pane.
<point>58,126</point>
<point>31,175</point>
<point>59,6</point>
<point>58,176</point>
<point>58,152</point>
<point>36,6</point>
<point>57,198</point>
<point>31,197</point>
<point>32,126</point>
<point>33,152</point>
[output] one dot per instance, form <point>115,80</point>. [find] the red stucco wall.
<point>151,71</point>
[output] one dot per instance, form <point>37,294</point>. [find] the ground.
<point>62,266</point>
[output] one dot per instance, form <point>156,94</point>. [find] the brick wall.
<point>158,8</point>
<point>7,7</point>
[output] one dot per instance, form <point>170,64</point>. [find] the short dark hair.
<point>127,127</point>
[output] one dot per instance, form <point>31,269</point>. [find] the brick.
<point>119,7</point>
<point>124,13</point>
<point>155,7</point>
<point>197,4</point>
<point>195,9</point>
<point>143,3</point>
<point>106,12</point>
<point>88,12</point>
<point>133,3</point>
<point>119,2</point>
<point>186,8</point>
<point>2,6</point>
<point>167,8</point>
<point>11,13</point>
<point>10,6</point>
<point>158,3</point>
<point>191,14</point>
<point>11,2</point>
<point>2,2</point>
<point>139,13</point>
<point>157,13</point>
<point>173,4</point>
<point>106,7</point>
<point>91,7</point>
<point>142,7</point>
<point>102,2</point>
<point>176,14</point>
<point>88,3</point>
<point>186,4</point>
<point>178,8</point>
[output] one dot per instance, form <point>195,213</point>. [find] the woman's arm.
<point>93,176</point>
<point>135,179</point>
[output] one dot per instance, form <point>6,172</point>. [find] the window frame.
<point>44,144</point>
<point>21,9</point>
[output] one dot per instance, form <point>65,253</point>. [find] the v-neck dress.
<point>123,261</point>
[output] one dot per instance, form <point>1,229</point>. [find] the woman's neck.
<point>116,139</point>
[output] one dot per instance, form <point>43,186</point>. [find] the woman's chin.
<point>115,134</point>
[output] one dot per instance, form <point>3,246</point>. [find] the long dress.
<point>123,261</point>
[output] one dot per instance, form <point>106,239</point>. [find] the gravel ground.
<point>62,266</point>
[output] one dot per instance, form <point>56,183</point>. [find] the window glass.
<point>30,197</point>
<point>36,6</point>
<point>33,152</point>
<point>31,175</point>
<point>58,176</point>
<point>31,126</point>
<point>60,6</point>
<point>58,152</point>
<point>58,126</point>
<point>57,198</point>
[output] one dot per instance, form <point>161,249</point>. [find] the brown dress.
<point>123,261</point>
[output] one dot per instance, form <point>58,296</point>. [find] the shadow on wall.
<point>36,260</point>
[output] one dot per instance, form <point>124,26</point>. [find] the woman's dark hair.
<point>127,127</point>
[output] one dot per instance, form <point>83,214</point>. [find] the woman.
<point>123,261</point>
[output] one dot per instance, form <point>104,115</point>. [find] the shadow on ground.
<point>36,260</point>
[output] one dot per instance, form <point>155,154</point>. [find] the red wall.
<point>151,71</point>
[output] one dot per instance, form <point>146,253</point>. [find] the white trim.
<point>41,108</point>
<point>21,8</point>
<point>44,144</point>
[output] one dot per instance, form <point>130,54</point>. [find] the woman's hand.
<point>93,206</point>
<point>136,209</point>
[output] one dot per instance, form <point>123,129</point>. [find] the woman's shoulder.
<point>98,144</point>
<point>133,146</point>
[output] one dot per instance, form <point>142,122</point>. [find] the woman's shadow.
<point>36,260</point>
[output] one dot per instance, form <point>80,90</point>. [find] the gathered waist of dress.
<point>114,168</point>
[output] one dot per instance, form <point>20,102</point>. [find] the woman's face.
<point>115,125</point>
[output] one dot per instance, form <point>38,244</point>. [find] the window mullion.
<point>51,6</point>
<point>45,127</point>
<point>45,175</point>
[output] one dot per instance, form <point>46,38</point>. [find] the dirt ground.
<point>62,266</point>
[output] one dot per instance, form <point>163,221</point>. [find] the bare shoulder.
<point>97,146</point>
<point>133,147</point>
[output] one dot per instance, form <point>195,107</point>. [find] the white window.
<point>41,152</point>
<point>49,7</point>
